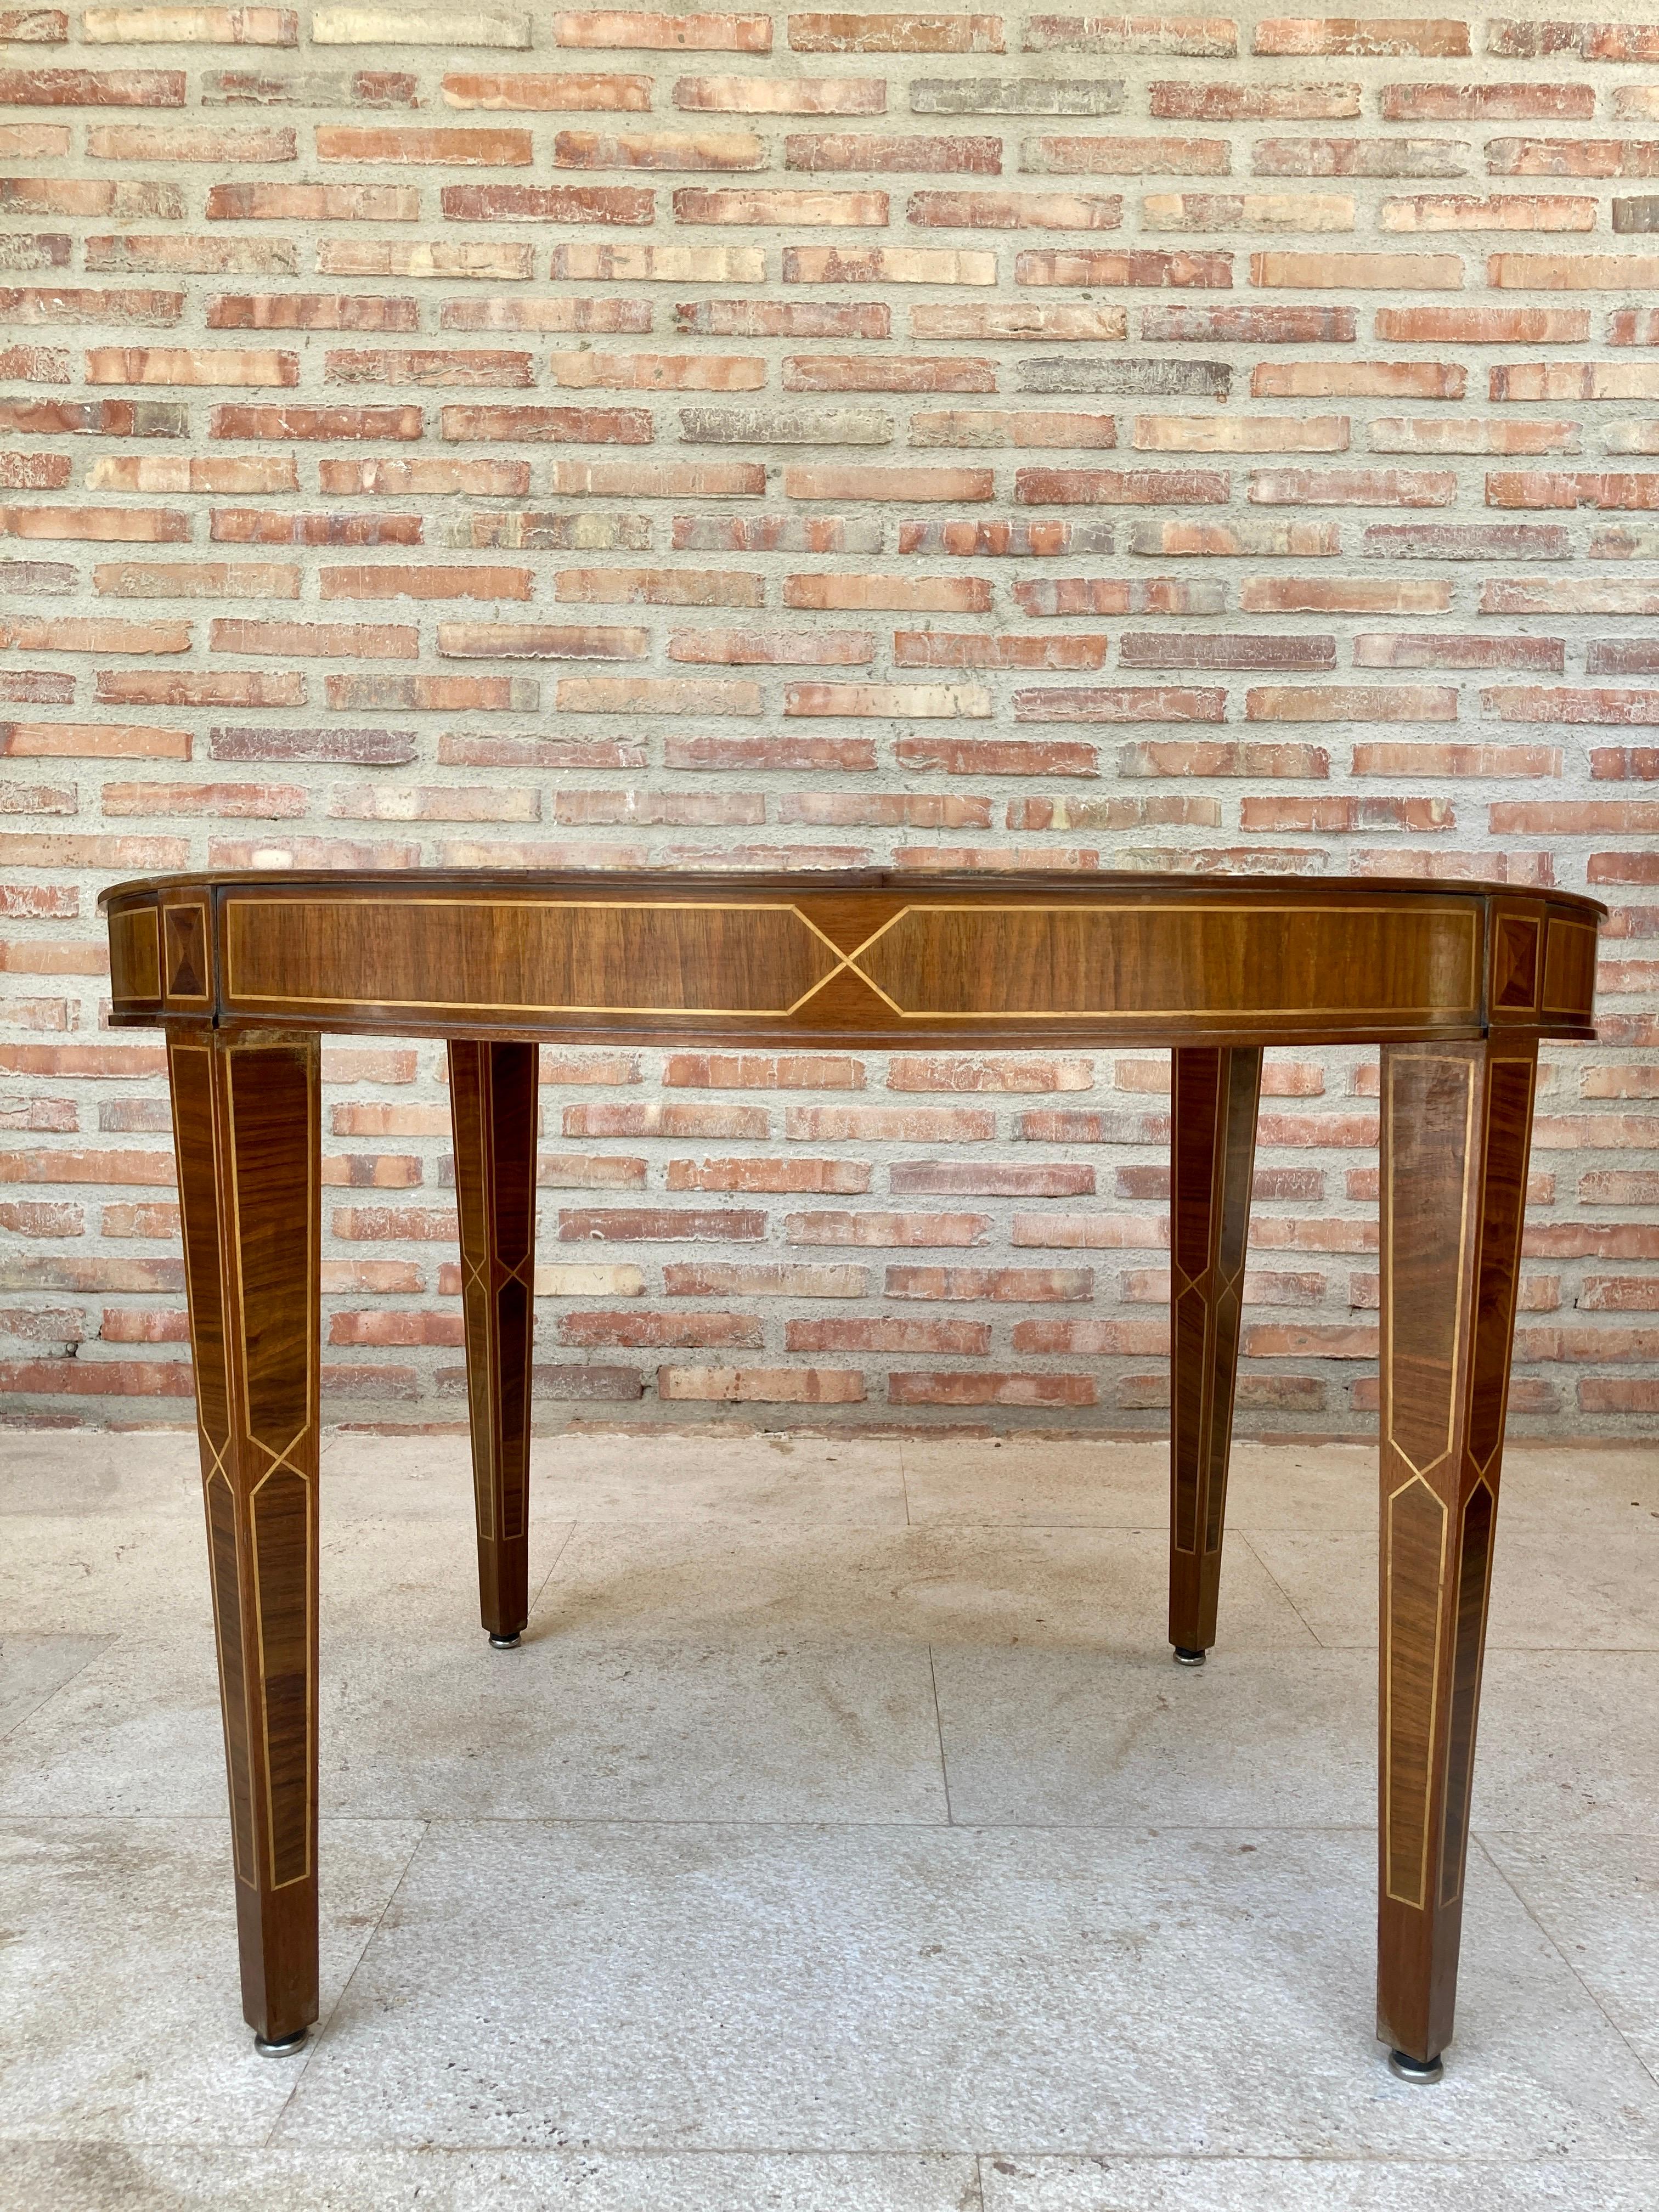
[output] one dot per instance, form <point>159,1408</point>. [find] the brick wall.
<point>488,436</point>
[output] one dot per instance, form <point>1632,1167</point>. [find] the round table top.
<point>872,958</point>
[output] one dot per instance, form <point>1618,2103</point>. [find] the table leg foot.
<point>1184,1657</point>
<point>282,2046</point>
<point>506,1642</point>
<point>1407,2068</point>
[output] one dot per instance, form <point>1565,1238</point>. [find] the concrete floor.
<point>840,1837</point>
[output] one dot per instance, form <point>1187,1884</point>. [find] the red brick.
<point>1145,267</point>
<point>1484,103</point>
<point>1342,379</point>
<point>1122,486</point>
<point>771,1280</point>
<point>1249,326</point>
<point>427,582</point>
<point>810,1386</point>
<point>1447,541</point>
<point>1384,271</point>
<point>963,595</point>
<point>1452,649</point>
<point>1010,210</point>
<point>564,204</point>
<point>74,87</point>
<point>1122,703</point>
<point>1596,705</point>
<point>1352,487</point>
<point>1000,1285</point>
<point>939,1388</point>
<point>947,649</point>
<point>1484,326</point>
<point>1441,39</point>
<point>1180,101</point>
<point>645,31</point>
<point>697,1330</point>
<point>1421,703</point>
<point>602,316</point>
<point>896,33</point>
<point>883,264</point>
<point>997,756</point>
<point>316,422</point>
<point>426,366</point>
<point>1109,595</point>
<point>829,373</point>
<point>1153,649</point>
<point>586,426</point>
<point>1547,488</point>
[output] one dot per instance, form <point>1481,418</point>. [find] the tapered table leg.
<point>1456,1127</point>
<point>492,1089</point>
<point>244,1118</point>
<point>1212,1156</point>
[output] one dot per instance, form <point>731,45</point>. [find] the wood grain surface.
<point>865,959</point>
<point>1457,983</point>
<point>246,1128</point>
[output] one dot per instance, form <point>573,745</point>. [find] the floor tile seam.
<point>565,1541</point>
<point>1519,1832</point>
<point>58,1688</point>
<point>1561,1953</point>
<point>1493,1644</point>
<point>298,2146</point>
<point>938,1734</point>
<point>1317,1641</point>
<point>12,1819</point>
<point>315,2039</point>
<point>841,1634</point>
<point>1426,2162</point>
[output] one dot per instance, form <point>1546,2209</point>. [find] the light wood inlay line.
<point>246,972</point>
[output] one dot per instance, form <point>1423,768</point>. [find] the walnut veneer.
<point>1456,982</point>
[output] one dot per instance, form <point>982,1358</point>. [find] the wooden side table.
<point>1456,982</point>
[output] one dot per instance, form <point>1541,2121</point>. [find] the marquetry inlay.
<point>1515,962</point>
<point>185,937</point>
<point>1457,983</point>
<point>516,957</point>
<point>135,958</point>
<point>1414,1563</point>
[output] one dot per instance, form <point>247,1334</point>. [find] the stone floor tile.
<point>149,2177</point>
<point>1057,1737</point>
<point>90,1471</point>
<point>1038,1480</point>
<point>33,1667</point>
<point>1592,1584</point>
<point>1597,1897</point>
<point>406,1574</point>
<point>426,1725</point>
<point>106,1571</point>
<point>724,1987</point>
<point>960,1583</point>
<point>1125,1485</point>
<point>119,2015</point>
<point>663,1988</point>
<point>767,1477</point>
<point>1567,1739</point>
<point>1549,2183</point>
